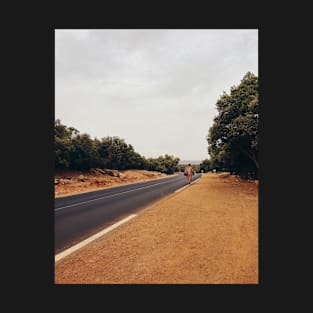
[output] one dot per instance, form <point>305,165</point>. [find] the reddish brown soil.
<point>92,182</point>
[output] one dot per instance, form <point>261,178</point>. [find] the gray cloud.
<point>157,89</point>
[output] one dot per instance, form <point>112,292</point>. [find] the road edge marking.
<point>83,243</point>
<point>182,188</point>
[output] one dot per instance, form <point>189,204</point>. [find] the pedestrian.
<point>189,172</point>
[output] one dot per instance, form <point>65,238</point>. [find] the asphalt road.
<point>80,216</point>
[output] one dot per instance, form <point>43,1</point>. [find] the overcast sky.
<point>157,89</point>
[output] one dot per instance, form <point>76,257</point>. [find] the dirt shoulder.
<point>76,182</point>
<point>205,234</point>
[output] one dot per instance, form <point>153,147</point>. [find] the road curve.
<point>80,216</point>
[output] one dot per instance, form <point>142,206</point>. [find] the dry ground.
<point>205,234</point>
<point>92,182</point>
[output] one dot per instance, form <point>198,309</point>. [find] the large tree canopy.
<point>233,137</point>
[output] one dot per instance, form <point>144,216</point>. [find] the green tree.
<point>63,144</point>
<point>84,154</point>
<point>165,164</point>
<point>205,165</point>
<point>233,137</point>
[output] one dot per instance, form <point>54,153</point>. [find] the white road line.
<point>92,238</point>
<point>116,194</point>
<point>180,189</point>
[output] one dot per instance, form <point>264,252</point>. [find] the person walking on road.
<point>189,172</point>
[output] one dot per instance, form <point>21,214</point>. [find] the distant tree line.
<point>80,152</point>
<point>196,167</point>
<point>233,137</point>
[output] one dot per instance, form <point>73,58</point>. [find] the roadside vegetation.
<point>76,151</point>
<point>233,137</point>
